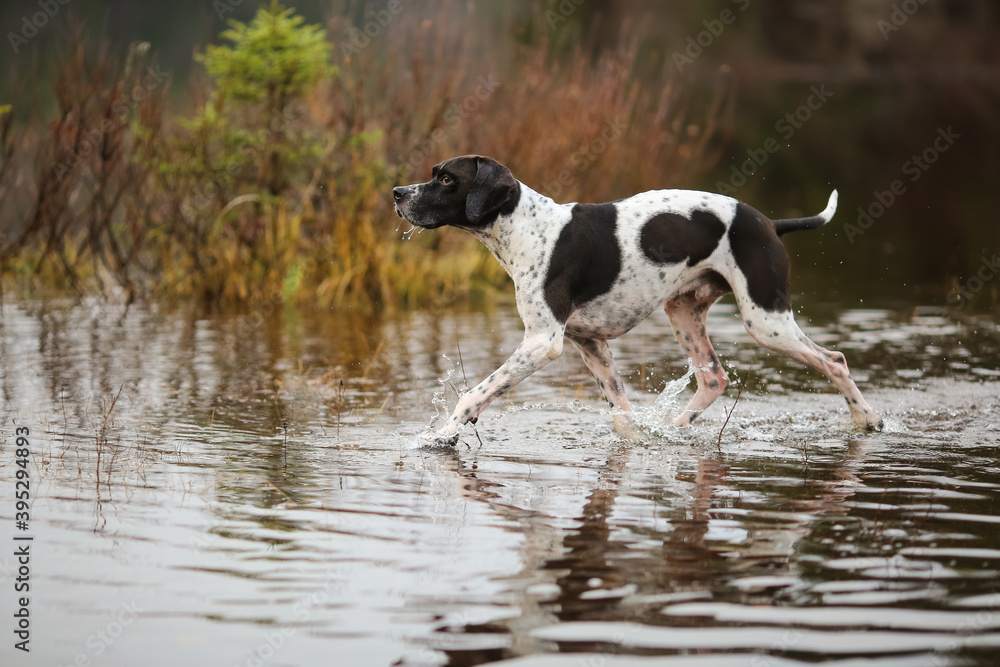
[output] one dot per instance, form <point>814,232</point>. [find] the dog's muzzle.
<point>399,195</point>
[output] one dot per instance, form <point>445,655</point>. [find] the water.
<point>259,495</point>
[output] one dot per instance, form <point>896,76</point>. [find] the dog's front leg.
<point>536,350</point>
<point>597,356</point>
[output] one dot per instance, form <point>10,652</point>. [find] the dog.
<point>592,272</point>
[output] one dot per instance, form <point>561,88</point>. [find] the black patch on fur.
<point>670,238</point>
<point>585,261</point>
<point>762,259</point>
<point>495,192</point>
<point>782,227</point>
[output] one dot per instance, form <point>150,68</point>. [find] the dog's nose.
<point>399,193</point>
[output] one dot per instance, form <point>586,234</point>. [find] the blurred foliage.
<point>278,186</point>
<point>268,174</point>
<point>240,170</point>
<point>272,59</point>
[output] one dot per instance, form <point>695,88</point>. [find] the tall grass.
<point>253,189</point>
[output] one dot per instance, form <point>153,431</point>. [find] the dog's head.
<point>469,191</point>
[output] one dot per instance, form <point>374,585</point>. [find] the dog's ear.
<point>493,188</point>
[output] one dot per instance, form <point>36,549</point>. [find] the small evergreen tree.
<point>248,152</point>
<point>245,138</point>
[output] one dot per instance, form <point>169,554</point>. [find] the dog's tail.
<point>814,222</point>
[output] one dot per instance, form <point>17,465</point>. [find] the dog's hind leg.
<point>597,356</point>
<point>778,331</point>
<point>688,314</point>
<point>764,298</point>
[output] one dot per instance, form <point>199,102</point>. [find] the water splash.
<point>573,406</point>
<point>451,383</point>
<point>656,418</point>
<point>408,233</point>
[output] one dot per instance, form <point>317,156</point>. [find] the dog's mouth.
<point>423,225</point>
<point>416,223</point>
<point>419,225</point>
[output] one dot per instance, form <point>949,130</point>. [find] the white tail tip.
<point>831,207</point>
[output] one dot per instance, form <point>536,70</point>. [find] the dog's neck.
<point>533,218</point>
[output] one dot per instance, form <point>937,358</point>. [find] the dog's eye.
<point>446,179</point>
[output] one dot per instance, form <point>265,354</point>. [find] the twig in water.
<point>729,413</point>
<point>277,406</point>
<point>461,363</point>
<point>340,400</point>
<point>465,381</point>
<point>284,443</point>
<point>387,397</point>
<point>371,362</point>
<point>101,439</point>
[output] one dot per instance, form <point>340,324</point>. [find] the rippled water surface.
<point>257,495</point>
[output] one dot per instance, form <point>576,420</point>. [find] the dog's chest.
<point>524,248</point>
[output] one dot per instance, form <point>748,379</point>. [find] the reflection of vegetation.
<point>277,184</point>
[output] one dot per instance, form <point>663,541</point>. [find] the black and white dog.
<point>592,272</point>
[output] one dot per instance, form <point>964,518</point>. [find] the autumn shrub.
<point>273,181</point>
<point>72,193</point>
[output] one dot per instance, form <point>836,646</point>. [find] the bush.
<point>277,185</point>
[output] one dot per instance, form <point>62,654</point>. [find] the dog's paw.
<point>685,419</point>
<point>440,439</point>
<point>869,422</point>
<point>626,427</point>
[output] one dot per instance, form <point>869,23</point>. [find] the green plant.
<point>273,58</point>
<point>236,171</point>
<point>270,65</point>
<point>246,134</point>
<point>275,184</point>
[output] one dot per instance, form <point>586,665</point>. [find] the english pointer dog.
<point>592,272</point>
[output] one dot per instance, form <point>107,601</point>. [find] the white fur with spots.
<point>523,243</point>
